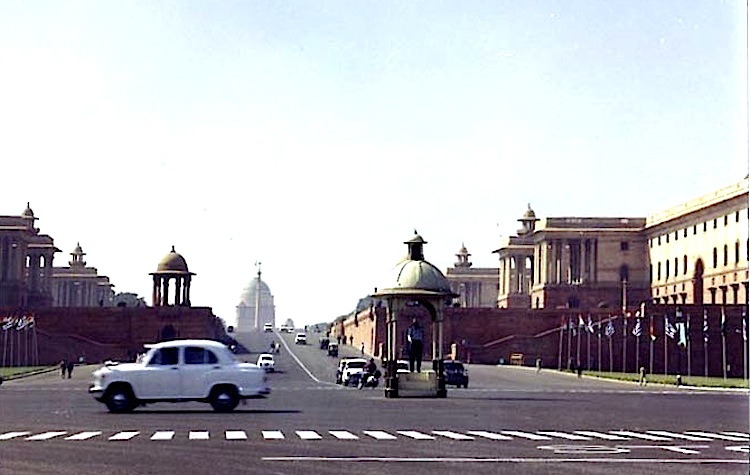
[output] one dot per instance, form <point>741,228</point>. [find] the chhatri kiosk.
<point>415,282</point>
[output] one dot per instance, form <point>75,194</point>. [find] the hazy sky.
<point>316,136</point>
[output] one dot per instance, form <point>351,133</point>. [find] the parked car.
<point>333,349</point>
<point>402,366</point>
<point>352,370</point>
<point>455,373</point>
<point>266,361</point>
<point>300,339</point>
<point>179,371</point>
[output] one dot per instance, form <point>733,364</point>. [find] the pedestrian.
<point>415,336</point>
<point>63,368</point>
<point>579,369</point>
<point>69,368</point>
<point>362,348</point>
<point>538,364</point>
<point>338,339</point>
<point>642,379</point>
<point>351,340</point>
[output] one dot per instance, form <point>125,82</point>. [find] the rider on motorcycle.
<point>370,374</point>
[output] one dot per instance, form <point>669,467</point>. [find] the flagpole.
<point>588,346</point>
<point>724,343</point>
<point>637,351</point>
<point>559,350</point>
<point>652,337</point>
<point>705,343</point>
<point>690,365</point>
<point>609,337</point>
<point>578,343</point>
<point>625,324</point>
<point>666,361</point>
<point>569,338</point>
<point>599,328</point>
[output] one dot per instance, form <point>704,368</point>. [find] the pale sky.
<point>316,136</point>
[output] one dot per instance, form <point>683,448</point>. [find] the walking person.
<point>415,336</point>
<point>69,368</point>
<point>63,368</point>
<point>642,379</point>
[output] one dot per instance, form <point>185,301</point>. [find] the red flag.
<point>652,329</point>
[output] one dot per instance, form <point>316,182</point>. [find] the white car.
<point>300,339</point>
<point>179,371</point>
<point>352,370</point>
<point>266,362</point>
<point>267,327</point>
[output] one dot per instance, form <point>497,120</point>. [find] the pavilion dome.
<point>416,275</point>
<point>172,262</point>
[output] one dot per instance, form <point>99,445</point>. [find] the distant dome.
<point>529,213</point>
<point>28,213</point>
<point>249,293</point>
<point>172,262</point>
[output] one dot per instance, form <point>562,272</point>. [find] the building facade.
<point>476,287</point>
<point>25,262</point>
<point>80,286</point>
<point>698,251</point>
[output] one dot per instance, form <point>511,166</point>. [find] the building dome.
<point>529,214</point>
<point>28,213</point>
<point>172,262</point>
<point>416,275</point>
<point>249,293</point>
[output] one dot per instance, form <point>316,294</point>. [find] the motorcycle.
<point>370,380</point>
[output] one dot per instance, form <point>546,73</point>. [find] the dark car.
<point>455,373</point>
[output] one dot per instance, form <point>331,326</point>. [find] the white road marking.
<point>308,435</point>
<point>638,435</point>
<point>415,435</point>
<point>47,435</point>
<point>198,435</point>
<point>563,435</point>
<point>126,435</point>
<point>600,435</point>
<point>84,435</point>
<point>738,434</point>
<point>163,435</point>
<point>235,435</point>
<point>452,435</point>
<point>513,460</point>
<point>691,438</point>
<point>13,435</point>
<point>272,434</point>
<point>717,436</point>
<point>681,449</point>
<point>343,434</point>
<point>488,435</point>
<point>379,435</point>
<point>524,435</point>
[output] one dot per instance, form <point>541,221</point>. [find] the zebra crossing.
<point>383,435</point>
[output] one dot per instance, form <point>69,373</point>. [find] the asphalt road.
<point>509,420</point>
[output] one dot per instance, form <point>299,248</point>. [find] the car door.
<point>160,378</point>
<point>198,365</point>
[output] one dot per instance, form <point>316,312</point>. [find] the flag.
<point>723,322</point>
<point>590,325</point>
<point>20,323</point>
<point>652,329</point>
<point>682,339</point>
<point>8,323</point>
<point>637,328</point>
<point>744,325</point>
<point>669,329</point>
<point>705,326</point>
<point>580,321</point>
<point>610,329</point>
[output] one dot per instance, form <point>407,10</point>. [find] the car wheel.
<point>224,399</point>
<point>120,399</point>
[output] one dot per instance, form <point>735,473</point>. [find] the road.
<point>509,420</point>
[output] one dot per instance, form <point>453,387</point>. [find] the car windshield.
<point>454,367</point>
<point>356,364</point>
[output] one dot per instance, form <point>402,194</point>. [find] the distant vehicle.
<point>267,327</point>
<point>286,329</point>
<point>180,371</point>
<point>333,349</point>
<point>300,339</point>
<point>455,373</point>
<point>402,366</point>
<point>266,362</point>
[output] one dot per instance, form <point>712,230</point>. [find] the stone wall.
<point>99,334</point>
